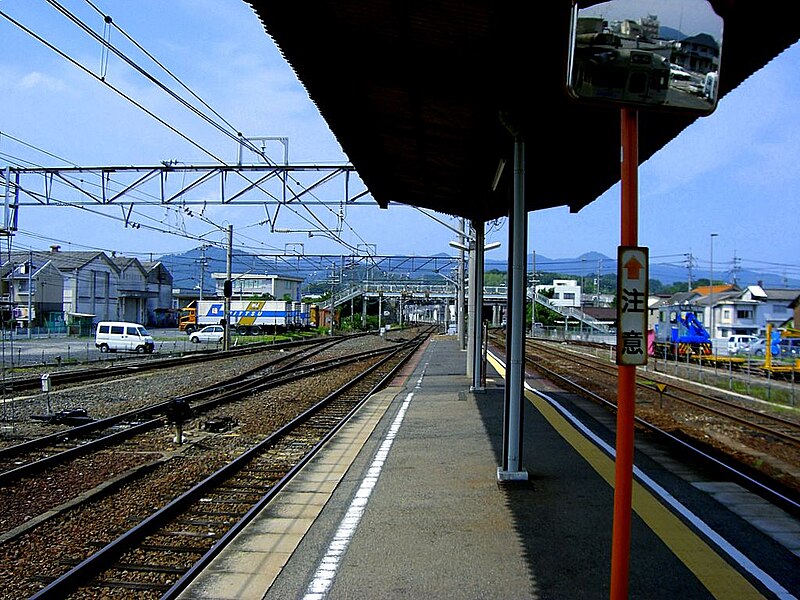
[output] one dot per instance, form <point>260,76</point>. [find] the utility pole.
<point>533,298</point>
<point>30,293</point>
<point>597,287</point>
<point>202,269</point>
<point>689,265</point>
<point>228,291</point>
<point>737,262</point>
<point>460,327</point>
<point>711,288</point>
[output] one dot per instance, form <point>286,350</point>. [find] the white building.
<point>279,287</point>
<point>566,292</point>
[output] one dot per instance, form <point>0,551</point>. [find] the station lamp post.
<point>476,249</point>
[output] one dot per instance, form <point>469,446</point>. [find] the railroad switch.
<point>220,424</point>
<point>72,416</point>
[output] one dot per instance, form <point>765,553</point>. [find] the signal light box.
<point>632,293</point>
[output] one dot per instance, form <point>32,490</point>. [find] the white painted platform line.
<point>329,565</point>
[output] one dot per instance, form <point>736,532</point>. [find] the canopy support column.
<point>511,469</point>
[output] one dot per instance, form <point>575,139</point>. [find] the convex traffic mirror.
<point>661,54</point>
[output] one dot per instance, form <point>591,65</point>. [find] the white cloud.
<point>39,80</point>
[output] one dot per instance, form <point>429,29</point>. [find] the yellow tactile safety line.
<point>719,578</point>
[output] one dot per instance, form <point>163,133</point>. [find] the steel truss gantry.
<point>176,184</point>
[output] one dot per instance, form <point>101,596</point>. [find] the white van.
<point>114,336</point>
<point>737,343</point>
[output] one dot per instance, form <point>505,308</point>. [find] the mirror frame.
<point>612,63</point>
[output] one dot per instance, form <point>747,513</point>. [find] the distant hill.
<point>589,263</point>
<point>185,268</point>
<point>668,33</point>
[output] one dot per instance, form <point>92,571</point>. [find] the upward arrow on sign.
<point>633,267</point>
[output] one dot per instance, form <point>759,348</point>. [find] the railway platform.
<point>404,503</point>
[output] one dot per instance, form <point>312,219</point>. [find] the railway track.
<point>736,364</point>
<point>761,448</point>
<point>37,455</point>
<point>134,366</point>
<point>187,526</point>
<point>782,429</point>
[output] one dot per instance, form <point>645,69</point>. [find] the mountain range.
<point>185,268</point>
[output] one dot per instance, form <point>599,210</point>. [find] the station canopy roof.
<point>422,96</point>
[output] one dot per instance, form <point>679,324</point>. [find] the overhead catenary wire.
<point>234,134</point>
<point>89,72</point>
<point>115,89</point>
<point>144,51</point>
<point>333,234</point>
<point>105,44</point>
<point>68,204</point>
<point>177,231</point>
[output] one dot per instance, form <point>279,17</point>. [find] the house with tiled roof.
<point>159,295</point>
<point>727,310</point>
<point>32,290</point>
<point>131,289</point>
<point>777,307</point>
<point>87,287</point>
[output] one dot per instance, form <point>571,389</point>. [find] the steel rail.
<point>206,559</point>
<point>133,415</point>
<point>786,437</point>
<point>289,373</point>
<point>773,495</point>
<point>155,363</point>
<point>106,556</point>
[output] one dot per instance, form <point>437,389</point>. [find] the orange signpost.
<point>626,391</point>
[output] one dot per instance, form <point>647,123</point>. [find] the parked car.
<point>210,333</point>
<point>114,336</point>
<point>757,347</point>
<point>790,347</point>
<point>737,343</point>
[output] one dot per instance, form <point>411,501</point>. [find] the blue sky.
<point>733,173</point>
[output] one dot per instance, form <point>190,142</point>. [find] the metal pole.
<point>364,310</point>
<point>462,340</point>
<point>533,298</point>
<point>477,323</point>
<point>711,292</point>
<point>228,291</point>
<point>7,201</point>
<point>202,271</point>
<point>515,373</point>
<point>30,294</point>
<point>626,385</point>
<point>472,301</point>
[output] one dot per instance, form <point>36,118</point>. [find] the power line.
<point>107,18</point>
<point>107,45</point>
<point>68,204</point>
<point>333,234</point>
<point>238,137</point>
<point>111,87</point>
<point>29,145</point>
